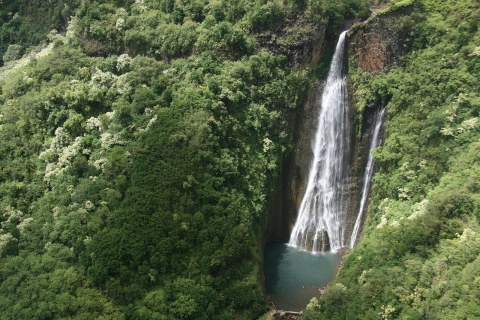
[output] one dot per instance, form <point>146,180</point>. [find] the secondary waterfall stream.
<point>320,224</point>
<point>367,177</point>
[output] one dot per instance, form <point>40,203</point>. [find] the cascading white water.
<point>320,224</point>
<point>367,177</point>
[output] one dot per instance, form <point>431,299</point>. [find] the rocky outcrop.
<point>379,43</point>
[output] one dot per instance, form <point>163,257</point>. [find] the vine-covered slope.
<point>420,253</point>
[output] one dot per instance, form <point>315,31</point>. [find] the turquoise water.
<point>293,277</point>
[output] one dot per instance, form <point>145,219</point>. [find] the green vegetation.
<point>139,153</point>
<point>25,23</point>
<point>420,253</point>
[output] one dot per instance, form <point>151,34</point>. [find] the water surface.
<point>293,276</point>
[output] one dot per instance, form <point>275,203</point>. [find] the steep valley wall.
<point>374,46</point>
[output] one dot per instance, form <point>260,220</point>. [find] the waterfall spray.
<point>320,224</point>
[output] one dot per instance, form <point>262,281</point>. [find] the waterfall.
<point>367,177</point>
<point>321,220</point>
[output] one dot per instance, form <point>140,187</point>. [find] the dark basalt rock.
<point>379,43</point>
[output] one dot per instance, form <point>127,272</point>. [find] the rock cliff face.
<point>379,43</point>
<point>292,181</point>
<point>304,43</point>
<point>374,46</point>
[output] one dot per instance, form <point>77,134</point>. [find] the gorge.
<point>295,272</point>
<point>154,156</point>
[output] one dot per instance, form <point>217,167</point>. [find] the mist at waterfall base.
<point>293,276</point>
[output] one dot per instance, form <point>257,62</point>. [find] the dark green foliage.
<point>266,14</point>
<point>225,40</point>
